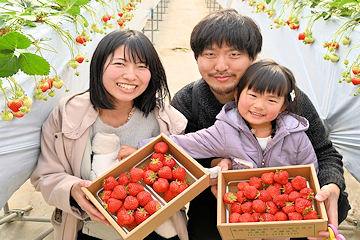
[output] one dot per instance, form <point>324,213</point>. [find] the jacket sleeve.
<point>53,173</point>
<point>330,161</point>
<point>306,154</point>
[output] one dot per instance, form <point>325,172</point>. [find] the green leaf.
<point>30,23</point>
<point>14,40</point>
<point>74,10</point>
<point>3,1</point>
<point>32,64</point>
<point>356,16</point>
<point>341,4</point>
<point>8,65</point>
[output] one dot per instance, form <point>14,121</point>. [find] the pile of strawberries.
<point>127,198</point>
<point>272,197</point>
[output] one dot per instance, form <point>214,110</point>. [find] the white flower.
<point>292,95</point>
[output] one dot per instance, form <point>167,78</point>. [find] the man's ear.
<point>254,61</point>
<point>235,94</point>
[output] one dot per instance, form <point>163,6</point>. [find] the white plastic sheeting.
<point>319,79</point>
<point>20,138</point>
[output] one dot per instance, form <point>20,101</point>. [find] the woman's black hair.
<point>268,76</point>
<point>137,46</point>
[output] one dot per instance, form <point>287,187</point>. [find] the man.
<point>225,44</point>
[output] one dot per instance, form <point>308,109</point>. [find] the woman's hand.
<point>225,165</point>
<point>329,194</point>
<point>126,151</point>
<point>84,202</point>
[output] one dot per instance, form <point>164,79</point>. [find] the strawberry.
<point>124,179</point>
<point>334,45</point>
<point>271,207</point>
<point>288,188</point>
<point>294,195</point>
<point>58,83</point>
<point>312,214</point>
<point>298,182</point>
<point>281,176</point>
<point>356,69</point>
<point>105,18</point>
<point>281,200</point>
<point>121,14</point>
<point>81,39</point>
<point>256,182</point>
<point>159,156</point>
<point>307,193</point>
<point>236,208</point>
<point>74,64</point>
<point>15,104</point>
<point>174,187</point>
<point>267,178</point>
<point>355,80</point>
<point>161,185</point>
<point>242,185</point>
<point>273,191</point>
<point>155,164</point>
<point>79,58</point>
<point>234,217</point>
<point>152,207</point>
<point>18,114</point>
<point>264,196</point>
<point>149,177</point>
<point>183,185</point>
<point>302,205</point>
<point>119,192</point>
<point>246,207</point>
<point>134,188</point>
<point>43,85</point>
<point>240,197</point>
<point>267,217</point>
<point>165,172</point>
<point>247,217</point>
<point>281,216</point>
<point>105,195</point>
<point>179,173</point>
<point>125,217</point>
<point>168,195</point>
<point>113,205</point>
<point>251,192</point>
<point>109,183</point>
<point>258,206</point>
<point>161,147</point>
<point>144,197</point>
<point>288,208</point>
<point>136,174</point>
<point>301,36</point>
<point>169,161</point>
<point>256,216</point>
<point>229,198</point>
<point>295,216</point>
<point>27,101</point>
<point>278,185</point>
<point>131,203</point>
<point>141,215</point>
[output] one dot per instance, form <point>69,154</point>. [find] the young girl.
<point>126,97</point>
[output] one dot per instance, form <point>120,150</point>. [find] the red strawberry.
<point>312,214</point>
<point>281,200</point>
<point>161,147</point>
<point>234,217</point>
<point>141,215</point>
<point>335,45</point>
<point>152,207</point>
<point>278,185</point>
<point>179,173</point>
<point>240,196</point>
<point>301,36</point>
<point>168,195</point>
<point>302,205</point>
<point>161,185</point>
<point>271,207</point>
<point>264,196</point>
<point>288,208</point>
<point>273,191</point>
<point>124,179</point>
<point>155,164</point>
<point>113,205</point>
<point>256,216</point>
<point>288,188</point>
<point>109,183</point>
<point>251,192</point>
<point>246,207</point>
<point>149,177</point>
<point>169,161</point>
<point>174,187</point>
<point>134,188</point>
<point>258,206</point>
<point>247,217</point>
<point>236,208</point>
<point>125,217</point>
<point>79,58</point>
<point>165,172</point>
<point>294,195</point>
<point>144,197</point>
<point>105,195</point>
<point>267,217</point>
<point>119,192</point>
<point>131,203</point>
<point>281,176</point>
<point>159,156</point>
<point>242,185</point>
<point>256,182</point>
<point>355,80</point>
<point>298,183</point>
<point>295,216</point>
<point>307,193</point>
<point>281,216</point>
<point>267,178</point>
<point>183,185</point>
<point>43,85</point>
<point>18,114</point>
<point>356,69</point>
<point>15,104</point>
<point>229,198</point>
<point>81,39</point>
<point>136,174</point>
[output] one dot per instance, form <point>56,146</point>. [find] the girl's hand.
<point>84,202</point>
<point>329,194</point>
<point>126,151</point>
<point>225,165</point>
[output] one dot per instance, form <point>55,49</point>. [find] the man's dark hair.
<point>227,26</point>
<point>137,46</point>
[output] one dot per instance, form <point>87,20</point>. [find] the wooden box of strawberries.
<point>270,203</point>
<point>147,188</point>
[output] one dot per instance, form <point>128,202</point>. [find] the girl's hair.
<point>268,76</point>
<point>138,47</point>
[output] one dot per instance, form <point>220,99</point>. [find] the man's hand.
<point>225,165</point>
<point>329,194</point>
<point>125,151</point>
<point>84,202</point>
